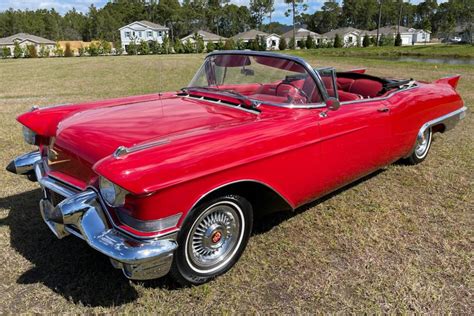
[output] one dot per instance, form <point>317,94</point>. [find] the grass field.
<point>400,240</point>
<point>436,50</point>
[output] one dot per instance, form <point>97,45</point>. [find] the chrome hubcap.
<point>214,237</point>
<point>422,143</point>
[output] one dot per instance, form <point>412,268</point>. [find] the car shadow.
<point>72,269</point>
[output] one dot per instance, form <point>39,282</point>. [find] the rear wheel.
<point>212,239</point>
<point>422,147</point>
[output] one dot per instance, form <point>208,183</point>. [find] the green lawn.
<point>438,50</point>
<point>398,241</point>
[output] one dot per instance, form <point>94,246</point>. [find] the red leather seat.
<point>366,87</point>
<point>347,96</point>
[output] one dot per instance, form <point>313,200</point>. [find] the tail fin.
<point>452,81</point>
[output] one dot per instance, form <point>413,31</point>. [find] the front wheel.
<point>422,147</point>
<point>212,239</point>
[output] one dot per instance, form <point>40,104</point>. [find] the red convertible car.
<point>171,182</point>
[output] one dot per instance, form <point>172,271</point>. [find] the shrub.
<point>292,45</point>
<point>44,51</point>
<point>155,47</point>
<point>178,47</point>
<point>262,43</point>
<point>32,52</point>
<point>282,45</point>
<point>188,47</point>
<point>143,48</point>
<point>366,41</point>
<point>17,50</point>
<point>166,45</point>
<point>198,43</point>
<point>6,52</point>
<point>210,47</point>
<point>58,50</point>
<point>229,44</point>
<point>68,52</point>
<point>118,51</point>
<point>382,40</point>
<point>132,49</point>
<point>93,49</point>
<point>81,51</point>
<point>310,42</point>
<point>105,48</point>
<point>398,40</point>
<point>240,44</point>
<point>337,41</point>
<point>302,44</point>
<point>220,45</point>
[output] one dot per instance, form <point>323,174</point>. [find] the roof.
<point>300,33</point>
<point>251,34</point>
<point>148,24</point>
<point>342,31</point>
<point>206,36</point>
<point>21,37</point>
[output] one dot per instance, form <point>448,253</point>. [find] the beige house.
<point>206,37</point>
<point>302,34</point>
<point>350,36</point>
<point>24,39</point>
<point>272,40</point>
<point>410,36</point>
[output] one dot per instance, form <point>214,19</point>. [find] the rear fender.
<point>451,80</point>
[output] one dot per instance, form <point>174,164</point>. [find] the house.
<point>350,36</point>
<point>410,36</point>
<point>24,39</point>
<point>302,34</point>
<point>272,40</point>
<point>206,37</point>
<point>139,31</point>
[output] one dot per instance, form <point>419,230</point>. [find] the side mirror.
<point>333,104</point>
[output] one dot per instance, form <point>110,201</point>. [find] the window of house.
<point>159,33</point>
<point>127,34</point>
<point>350,39</point>
<point>140,34</point>
<point>150,33</point>
<point>423,35</point>
<point>274,43</point>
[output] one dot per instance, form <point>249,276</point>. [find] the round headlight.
<point>29,135</point>
<point>107,190</point>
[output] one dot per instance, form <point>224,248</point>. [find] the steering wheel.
<point>300,91</point>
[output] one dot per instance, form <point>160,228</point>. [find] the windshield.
<point>261,78</point>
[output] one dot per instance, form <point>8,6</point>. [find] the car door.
<point>355,140</point>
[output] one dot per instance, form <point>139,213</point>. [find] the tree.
<point>93,49</point>
<point>259,9</point>
<point>105,48</point>
<point>229,44</point>
<point>155,47</point>
<point>58,51</point>
<point>198,43</point>
<point>219,45</point>
<point>189,47</point>
<point>382,40</point>
<point>338,41</point>
<point>240,44</point>
<point>310,42</point>
<point>68,51</point>
<point>282,45</point>
<point>44,51</point>
<point>292,44</point>
<point>398,40</point>
<point>178,47</point>
<point>366,41</point>
<point>81,51</point>
<point>6,52</point>
<point>297,7</point>
<point>302,44</point>
<point>17,50</point>
<point>165,45</point>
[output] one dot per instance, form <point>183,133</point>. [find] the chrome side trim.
<point>449,121</point>
<point>219,102</point>
<point>122,150</point>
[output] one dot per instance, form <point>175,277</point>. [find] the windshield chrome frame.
<point>314,75</point>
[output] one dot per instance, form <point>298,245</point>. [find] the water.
<point>434,60</point>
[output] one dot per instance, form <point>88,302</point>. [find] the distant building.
<point>24,39</point>
<point>206,37</point>
<point>272,40</point>
<point>302,34</point>
<point>465,33</point>
<point>349,35</point>
<point>138,31</point>
<point>410,36</point>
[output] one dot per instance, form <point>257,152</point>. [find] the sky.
<point>62,6</point>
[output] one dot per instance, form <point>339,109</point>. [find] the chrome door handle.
<point>383,110</point>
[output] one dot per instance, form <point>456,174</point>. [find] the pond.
<point>435,60</point>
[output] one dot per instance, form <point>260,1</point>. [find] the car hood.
<point>88,136</point>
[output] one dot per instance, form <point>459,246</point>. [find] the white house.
<point>138,31</point>
<point>349,35</point>
<point>206,37</point>
<point>24,39</point>
<point>302,34</point>
<point>409,36</point>
<point>272,40</point>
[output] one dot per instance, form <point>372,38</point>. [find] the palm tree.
<point>293,4</point>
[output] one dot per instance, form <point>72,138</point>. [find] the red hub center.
<point>216,237</point>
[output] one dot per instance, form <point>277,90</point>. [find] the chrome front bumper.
<point>82,214</point>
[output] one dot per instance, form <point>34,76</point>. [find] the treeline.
<point>226,19</point>
<point>363,14</point>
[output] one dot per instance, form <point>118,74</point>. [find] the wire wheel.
<point>215,237</point>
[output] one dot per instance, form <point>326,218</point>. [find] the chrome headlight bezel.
<point>29,136</point>
<point>112,194</point>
